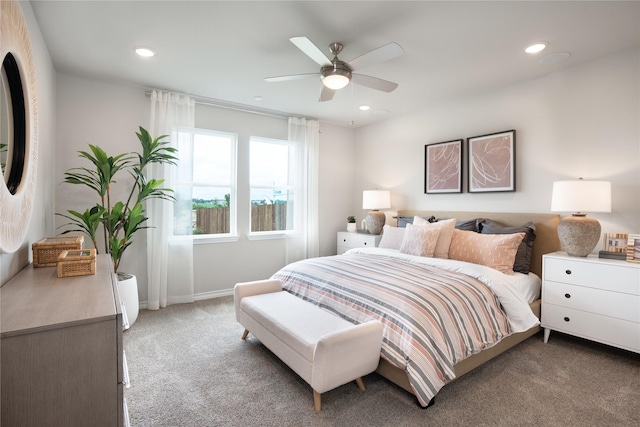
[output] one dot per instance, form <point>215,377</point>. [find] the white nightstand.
<point>348,240</point>
<point>593,298</point>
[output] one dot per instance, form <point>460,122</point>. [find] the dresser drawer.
<point>605,329</point>
<point>612,304</point>
<point>610,276</point>
<point>355,240</point>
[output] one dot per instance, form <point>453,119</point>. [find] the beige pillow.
<point>446,228</point>
<point>391,237</point>
<point>420,241</point>
<point>497,251</point>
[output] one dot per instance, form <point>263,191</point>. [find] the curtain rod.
<point>233,106</point>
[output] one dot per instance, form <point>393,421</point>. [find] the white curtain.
<point>169,260</point>
<point>302,240</point>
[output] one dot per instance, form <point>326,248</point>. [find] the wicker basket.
<point>47,250</point>
<point>77,263</point>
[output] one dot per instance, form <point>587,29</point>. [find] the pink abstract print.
<point>491,163</point>
<point>444,167</point>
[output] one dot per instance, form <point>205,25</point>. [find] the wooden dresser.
<point>61,349</point>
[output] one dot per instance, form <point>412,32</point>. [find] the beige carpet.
<point>189,367</point>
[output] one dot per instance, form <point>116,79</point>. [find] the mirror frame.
<point>18,193</point>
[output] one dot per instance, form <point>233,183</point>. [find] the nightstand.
<point>593,298</point>
<point>348,240</point>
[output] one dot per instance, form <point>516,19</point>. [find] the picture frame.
<point>633,248</point>
<point>443,167</point>
<point>491,162</point>
<point>616,242</point>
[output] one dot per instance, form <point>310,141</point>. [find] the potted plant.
<point>351,224</point>
<point>119,220</point>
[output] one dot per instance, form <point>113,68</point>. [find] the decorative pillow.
<point>470,225</point>
<point>523,257</point>
<point>446,228</point>
<point>391,237</point>
<point>497,251</point>
<point>419,241</point>
<point>404,220</point>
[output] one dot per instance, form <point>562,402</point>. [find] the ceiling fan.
<point>336,74</point>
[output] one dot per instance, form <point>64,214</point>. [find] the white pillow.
<point>391,237</point>
<point>446,228</point>
<point>420,241</point>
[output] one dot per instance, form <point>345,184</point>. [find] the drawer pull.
<point>344,240</point>
<point>365,243</point>
<point>567,271</point>
<point>566,319</point>
<point>567,295</point>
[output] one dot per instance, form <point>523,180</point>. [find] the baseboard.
<point>197,297</point>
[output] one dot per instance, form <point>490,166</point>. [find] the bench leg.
<point>360,384</point>
<point>317,402</point>
<point>244,334</point>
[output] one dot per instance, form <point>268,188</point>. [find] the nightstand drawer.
<point>617,277</point>
<point>356,240</point>
<point>608,330</point>
<point>612,304</point>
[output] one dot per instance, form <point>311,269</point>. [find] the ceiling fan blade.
<point>326,94</point>
<point>291,77</point>
<point>311,50</point>
<point>374,82</point>
<point>376,56</point>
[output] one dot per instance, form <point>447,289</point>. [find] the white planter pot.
<point>128,290</point>
<point>351,227</point>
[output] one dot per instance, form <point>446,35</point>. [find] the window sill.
<point>207,239</point>
<point>267,235</point>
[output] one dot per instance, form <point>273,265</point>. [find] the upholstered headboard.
<point>546,228</point>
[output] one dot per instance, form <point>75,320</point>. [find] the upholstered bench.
<point>324,349</point>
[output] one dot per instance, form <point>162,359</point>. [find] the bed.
<point>442,318</point>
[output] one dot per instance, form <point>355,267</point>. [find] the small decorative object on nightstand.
<point>592,298</point>
<point>347,241</point>
<point>351,224</point>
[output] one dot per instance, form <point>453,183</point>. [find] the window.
<point>206,184</point>
<point>271,194</point>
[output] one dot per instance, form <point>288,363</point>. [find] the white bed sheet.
<point>515,291</point>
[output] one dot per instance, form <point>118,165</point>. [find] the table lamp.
<point>578,233</point>
<point>374,200</point>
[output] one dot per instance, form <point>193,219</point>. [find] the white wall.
<point>580,122</point>
<point>42,215</point>
<point>107,114</point>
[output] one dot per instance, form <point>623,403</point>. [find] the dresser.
<point>61,344</point>
<point>593,298</point>
<point>348,241</point>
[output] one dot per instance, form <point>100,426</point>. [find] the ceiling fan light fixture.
<point>336,76</point>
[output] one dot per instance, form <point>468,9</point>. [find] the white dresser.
<point>593,298</point>
<point>348,240</point>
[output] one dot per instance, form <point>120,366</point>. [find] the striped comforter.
<point>432,318</point>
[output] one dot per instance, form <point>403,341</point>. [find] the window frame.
<point>232,236</point>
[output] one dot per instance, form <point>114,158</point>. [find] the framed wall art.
<point>492,162</point>
<point>633,248</point>
<point>443,167</point>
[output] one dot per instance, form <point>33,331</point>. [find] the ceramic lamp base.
<point>375,221</point>
<point>578,234</point>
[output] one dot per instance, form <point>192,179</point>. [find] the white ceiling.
<point>224,50</point>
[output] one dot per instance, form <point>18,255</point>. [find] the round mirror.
<point>18,128</point>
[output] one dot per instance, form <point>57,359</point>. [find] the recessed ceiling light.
<point>364,107</point>
<point>144,51</point>
<point>535,47</point>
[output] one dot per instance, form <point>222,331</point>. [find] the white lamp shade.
<point>376,199</point>
<point>581,196</point>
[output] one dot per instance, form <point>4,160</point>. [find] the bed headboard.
<point>546,228</point>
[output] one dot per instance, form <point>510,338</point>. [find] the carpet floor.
<point>189,367</point>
